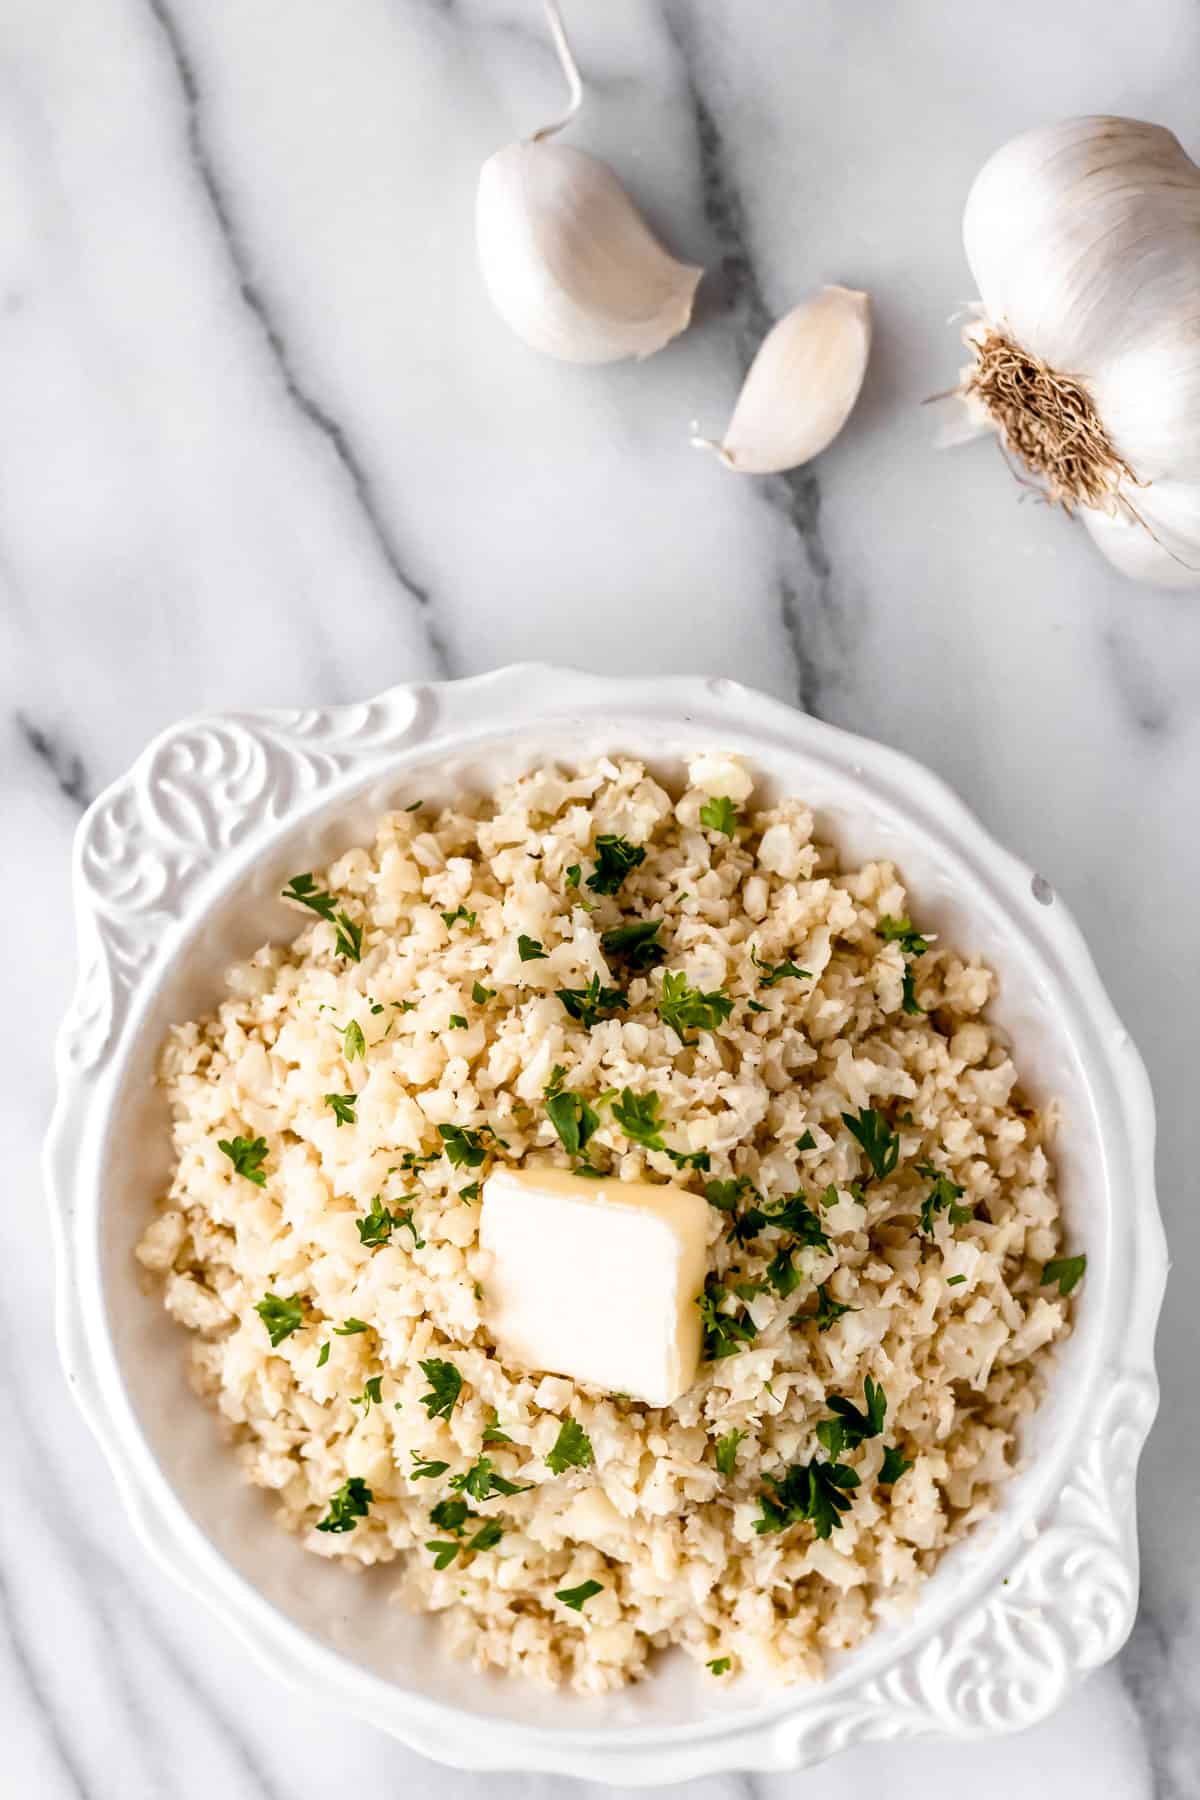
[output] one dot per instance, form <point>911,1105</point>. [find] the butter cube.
<point>596,1279</point>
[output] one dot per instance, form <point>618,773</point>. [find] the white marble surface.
<point>262,441</point>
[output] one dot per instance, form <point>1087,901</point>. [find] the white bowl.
<point>177,872</point>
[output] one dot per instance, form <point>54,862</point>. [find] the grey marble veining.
<point>264,442</point>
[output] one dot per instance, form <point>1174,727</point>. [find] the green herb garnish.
<point>635,944</point>
<point>281,1317</point>
<point>573,873</point>
<point>880,1144</point>
<point>900,931</point>
<point>351,1328</point>
<point>425,1470</point>
<point>852,1426</point>
<point>573,1119</point>
<point>893,1465</point>
<point>355,1042</point>
<point>529,950</point>
<point>720,814</point>
<point>807,1142</point>
<point>727,1448</point>
<point>445,1385</point>
<point>771,974</point>
<point>815,1492</point>
<point>829,1311</point>
<point>470,1193</point>
<point>343,1108</point>
<point>247,1156</point>
<point>1067,1271</point>
<point>943,1196</point>
<point>572,1448</point>
<point>615,857</point>
<point>460,912</point>
<point>720,1665</point>
<point>351,1503</point>
<point>481,995</point>
<point>724,1333</point>
<point>909,1002</point>
<point>464,1148</point>
<point>481,1482</point>
<point>681,1006</point>
<point>588,1005</point>
<point>783,1274</point>
<point>637,1115</point>
<point>304,890</point>
<point>575,1597</point>
<point>457,1022</point>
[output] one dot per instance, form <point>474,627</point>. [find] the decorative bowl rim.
<point>210,795</point>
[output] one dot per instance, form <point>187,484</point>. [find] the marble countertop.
<point>263,441</point>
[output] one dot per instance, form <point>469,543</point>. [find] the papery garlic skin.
<point>1084,239</point>
<point>801,386</point>
<point>569,262</point>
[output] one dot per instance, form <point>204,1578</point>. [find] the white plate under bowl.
<point>178,868</point>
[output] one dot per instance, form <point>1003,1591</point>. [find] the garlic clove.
<point>801,386</point>
<point>570,264</point>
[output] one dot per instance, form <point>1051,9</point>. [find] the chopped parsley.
<point>588,1005</point>
<point>851,1426</point>
<point>782,1274</point>
<point>894,1465</point>
<point>637,1115</point>
<point>414,806</point>
<point>343,1108</point>
<point>348,941</point>
<point>460,912</point>
<point>955,1280</point>
<point>900,931</point>
<point>720,1665</point>
<point>445,1385</point>
<point>351,1327</point>
<point>465,1148</point>
<point>281,1317</point>
<point>635,944</point>
<point>323,1357</point>
<point>943,1196</point>
<point>575,1597</point>
<point>457,1022</point>
<point>529,950</point>
<point>681,1006</point>
<point>909,1002</point>
<point>615,857</point>
<point>792,1214</point>
<point>725,1195</point>
<point>573,873</point>
<point>355,1042</point>
<point>691,1159</point>
<point>829,1311</point>
<point>470,1193</point>
<point>771,974</point>
<point>304,890</point>
<point>351,1503</point>
<point>247,1156</point>
<point>816,1493</point>
<point>807,1142</point>
<point>1067,1271</point>
<point>413,1160</point>
<point>425,1470</point>
<point>494,1433</point>
<point>727,1449</point>
<point>880,1144</point>
<point>481,995</point>
<point>724,1332</point>
<point>372,1394</point>
<point>719,814</point>
<point>380,1222</point>
<point>572,1448</point>
<point>573,1119</point>
<point>481,1482</point>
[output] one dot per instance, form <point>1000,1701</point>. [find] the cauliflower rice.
<point>950,1318</point>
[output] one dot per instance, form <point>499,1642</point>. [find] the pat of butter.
<point>596,1280</point>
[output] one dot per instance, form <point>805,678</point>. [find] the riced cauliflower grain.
<point>951,1320</point>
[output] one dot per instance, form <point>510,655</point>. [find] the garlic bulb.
<point>1084,239</point>
<point>801,385</point>
<point>568,260</point>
